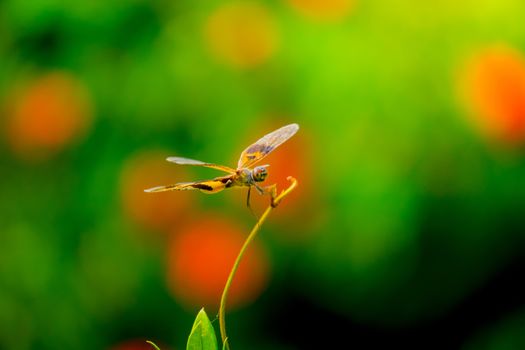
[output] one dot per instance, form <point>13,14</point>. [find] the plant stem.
<point>251,236</point>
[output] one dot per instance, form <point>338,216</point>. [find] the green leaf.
<point>152,344</point>
<point>202,336</point>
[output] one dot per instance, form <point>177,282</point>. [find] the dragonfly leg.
<point>248,202</point>
<point>260,189</point>
<point>248,197</point>
<point>272,191</point>
<point>269,190</point>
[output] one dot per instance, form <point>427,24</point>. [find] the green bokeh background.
<point>415,210</point>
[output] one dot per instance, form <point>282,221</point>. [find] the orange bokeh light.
<point>156,211</point>
<point>200,258</point>
<point>242,34</point>
<point>323,9</point>
<point>493,86</point>
<point>47,114</point>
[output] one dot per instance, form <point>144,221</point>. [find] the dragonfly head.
<point>259,173</point>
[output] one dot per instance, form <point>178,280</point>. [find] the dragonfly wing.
<point>186,161</point>
<point>182,186</point>
<point>266,145</point>
<point>208,186</point>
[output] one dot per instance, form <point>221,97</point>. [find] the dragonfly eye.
<point>260,173</point>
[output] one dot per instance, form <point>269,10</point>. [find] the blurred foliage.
<point>410,160</point>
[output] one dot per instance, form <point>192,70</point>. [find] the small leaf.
<point>152,344</point>
<point>202,336</point>
<point>226,345</point>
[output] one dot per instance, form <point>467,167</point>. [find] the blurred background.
<point>408,225</point>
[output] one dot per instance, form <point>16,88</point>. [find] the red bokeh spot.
<point>242,34</point>
<point>200,258</point>
<point>47,114</point>
<point>493,85</point>
<point>157,211</point>
<point>323,9</point>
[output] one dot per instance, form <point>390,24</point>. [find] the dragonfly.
<point>246,174</point>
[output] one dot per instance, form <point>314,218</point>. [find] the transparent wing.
<point>208,186</point>
<point>186,161</point>
<point>266,145</point>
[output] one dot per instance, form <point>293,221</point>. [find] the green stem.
<point>251,236</point>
